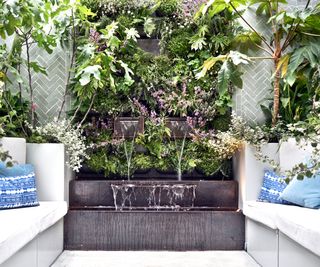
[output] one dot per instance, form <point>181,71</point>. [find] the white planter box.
<point>248,171</point>
<point>292,153</point>
<point>16,148</point>
<point>52,174</point>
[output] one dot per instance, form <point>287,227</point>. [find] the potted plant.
<point>56,149</point>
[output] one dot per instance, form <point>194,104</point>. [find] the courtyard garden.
<point>175,125</point>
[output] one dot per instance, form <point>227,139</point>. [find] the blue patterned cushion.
<point>272,187</point>
<point>18,189</point>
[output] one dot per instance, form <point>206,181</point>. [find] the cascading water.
<point>150,196</point>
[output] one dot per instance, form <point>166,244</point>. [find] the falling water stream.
<point>150,196</point>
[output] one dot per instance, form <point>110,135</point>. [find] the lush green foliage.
<point>293,46</point>
<point>151,85</point>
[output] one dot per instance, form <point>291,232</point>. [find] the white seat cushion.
<point>300,224</point>
<point>262,212</point>
<point>20,226</point>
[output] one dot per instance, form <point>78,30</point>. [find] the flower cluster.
<point>173,102</point>
<point>112,7</point>
<point>224,145</point>
<point>190,7</point>
<point>141,108</point>
<point>70,136</point>
<point>181,102</point>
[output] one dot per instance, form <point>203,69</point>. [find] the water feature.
<point>153,196</point>
<point>154,215</point>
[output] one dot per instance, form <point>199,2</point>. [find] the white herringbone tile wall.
<point>49,89</point>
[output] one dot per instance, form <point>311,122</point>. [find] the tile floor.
<point>154,259</point>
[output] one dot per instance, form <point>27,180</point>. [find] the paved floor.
<point>154,259</point>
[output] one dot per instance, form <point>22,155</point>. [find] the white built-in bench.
<point>32,236</point>
<point>276,235</point>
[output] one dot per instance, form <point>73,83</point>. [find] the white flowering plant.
<point>71,136</point>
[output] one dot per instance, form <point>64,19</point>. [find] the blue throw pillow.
<point>305,193</point>
<point>17,186</point>
<point>272,187</point>
<point>15,170</point>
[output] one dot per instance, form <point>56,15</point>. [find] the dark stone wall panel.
<point>148,230</point>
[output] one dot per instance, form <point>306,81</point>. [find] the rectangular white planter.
<point>248,170</point>
<point>16,148</point>
<point>52,174</point>
<point>292,153</point>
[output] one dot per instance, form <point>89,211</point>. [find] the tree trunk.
<point>32,105</point>
<point>276,95</point>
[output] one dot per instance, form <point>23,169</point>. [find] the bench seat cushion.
<point>300,224</point>
<point>261,212</point>
<point>20,226</point>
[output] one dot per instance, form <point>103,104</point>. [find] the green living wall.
<point>161,48</point>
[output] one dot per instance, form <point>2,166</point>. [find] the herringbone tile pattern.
<point>49,89</point>
<point>256,79</point>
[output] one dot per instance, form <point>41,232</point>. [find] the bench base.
<point>294,255</point>
<point>271,248</point>
<point>42,251</point>
<point>262,243</point>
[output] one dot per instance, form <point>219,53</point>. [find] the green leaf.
<point>214,7</point>
<point>208,64</point>
<point>300,176</point>
<point>283,65</point>
<point>132,34</point>
<point>224,77</point>
<point>37,68</point>
<point>198,43</point>
<point>263,8</point>
<point>285,101</point>
<point>85,11</point>
<point>220,41</point>
<point>85,74</point>
<point>309,174</point>
<point>149,26</point>
<point>112,84</point>
<point>239,58</point>
<point>203,30</point>
<point>114,43</point>
<point>235,78</point>
<point>128,72</point>
<point>245,41</point>
<point>110,30</point>
<point>192,163</point>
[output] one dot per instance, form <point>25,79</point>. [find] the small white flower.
<point>71,137</point>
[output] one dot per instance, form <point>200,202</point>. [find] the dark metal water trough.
<point>211,222</point>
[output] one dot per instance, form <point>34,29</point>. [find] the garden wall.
<point>49,89</point>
